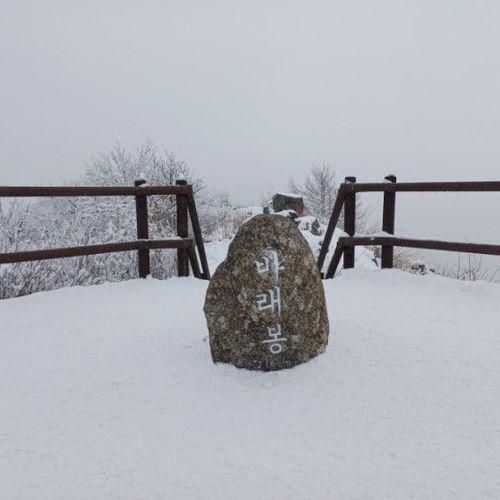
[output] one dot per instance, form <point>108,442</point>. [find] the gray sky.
<point>252,92</point>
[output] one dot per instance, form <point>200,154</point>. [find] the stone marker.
<point>282,201</point>
<point>265,306</point>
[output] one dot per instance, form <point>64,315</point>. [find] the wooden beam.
<point>52,191</point>
<point>388,222</point>
<point>477,186</point>
<point>350,222</point>
<point>334,263</point>
<point>141,213</point>
<point>124,246</point>
<point>332,224</point>
<point>198,237</point>
<point>182,230</point>
<point>450,246</point>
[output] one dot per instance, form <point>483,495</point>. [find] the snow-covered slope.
<point>109,392</point>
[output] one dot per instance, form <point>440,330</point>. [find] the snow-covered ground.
<point>109,392</point>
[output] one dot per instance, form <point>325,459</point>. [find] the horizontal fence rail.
<point>450,246</point>
<point>346,201</point>
<point>57,191</point>
<point>122,246</point>
<point>189,250</point>
<point>421,187</point>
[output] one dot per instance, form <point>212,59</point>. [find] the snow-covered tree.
<point>120,167</point>
<point>62,222</point>
<point>320,190</point>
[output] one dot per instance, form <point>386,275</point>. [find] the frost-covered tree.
<point>216,215</point>
<point>320,190</point>
<point>120,167</point>
<point>60,222</point>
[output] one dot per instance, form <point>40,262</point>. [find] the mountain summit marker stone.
<point>265,306</point>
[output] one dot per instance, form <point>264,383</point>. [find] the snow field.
<point>109,392</point>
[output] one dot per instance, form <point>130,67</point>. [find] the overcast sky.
<point>250,93</point>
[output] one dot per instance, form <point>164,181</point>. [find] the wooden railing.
<point>346,200</point>
<point>186,209</point>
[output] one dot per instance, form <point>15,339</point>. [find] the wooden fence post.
<point>182,230</point>
<point>332,224</point>
<point>334,263</point>
<point>388,222</point>
<point>198,237</point>
<point>349,222</point>
<point>141,213</point>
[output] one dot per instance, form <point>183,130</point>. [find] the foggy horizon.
<point>250,95</point>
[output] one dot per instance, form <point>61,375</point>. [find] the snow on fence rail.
<point>185,206</point>
<point>346,200</point>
